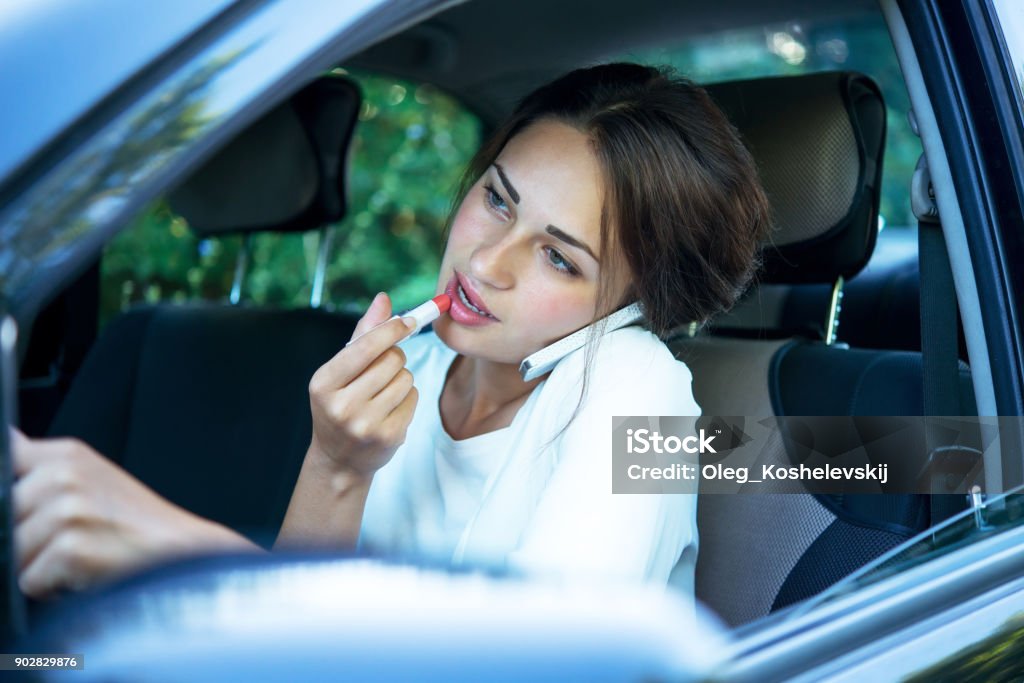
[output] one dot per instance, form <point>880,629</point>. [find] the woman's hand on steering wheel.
<point>81,520</point>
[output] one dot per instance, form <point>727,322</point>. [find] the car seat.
<point>818,142</point>
<point>207,403</point>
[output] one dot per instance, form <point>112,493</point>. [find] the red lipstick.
<point>424,314</point>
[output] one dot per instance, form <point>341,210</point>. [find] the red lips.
<point>460,312</point>
<point>473,295</point>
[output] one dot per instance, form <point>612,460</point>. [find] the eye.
<point>495,200</point>
<point>560,263</point>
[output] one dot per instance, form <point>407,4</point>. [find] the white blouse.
<point>517,499</point>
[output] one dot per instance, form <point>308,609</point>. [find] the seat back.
<point>818,143</point>
<point>206,403</point>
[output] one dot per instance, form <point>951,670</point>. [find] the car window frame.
<point>104,223</point>
<point>244,70</point>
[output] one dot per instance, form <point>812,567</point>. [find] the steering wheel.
<point>14,605</point>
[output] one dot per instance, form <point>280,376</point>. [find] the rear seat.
<point>818,141</point>
<point>208,404</point>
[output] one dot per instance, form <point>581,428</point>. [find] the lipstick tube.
<point>424,314</point>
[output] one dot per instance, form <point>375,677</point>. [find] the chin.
<point>467,345</point>
<point>442,328</point>
<point>449,333</point>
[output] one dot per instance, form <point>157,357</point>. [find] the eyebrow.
<point>508,186</point>
<point>551,230</point>
<point>569,239</point>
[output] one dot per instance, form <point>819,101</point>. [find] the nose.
<point>495,263</point>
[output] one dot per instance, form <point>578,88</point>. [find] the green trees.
<point>411,144</point>
<point>410,147</point>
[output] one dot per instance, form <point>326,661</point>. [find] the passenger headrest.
<point>818,142</point>
<point>284,173</point>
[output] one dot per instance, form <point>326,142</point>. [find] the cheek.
<point>556,310</point>
<point>466,233</point>
<point>470,222</point>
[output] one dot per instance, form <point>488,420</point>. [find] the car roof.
<point>49,41</point>
<point>464,61</point>
<point>466,50</point>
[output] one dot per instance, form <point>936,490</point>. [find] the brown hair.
<point>681,187</point>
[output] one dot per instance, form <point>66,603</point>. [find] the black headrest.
<point>818,141</point>
<point>284,173</point>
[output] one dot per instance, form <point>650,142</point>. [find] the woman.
<point>613,184</point>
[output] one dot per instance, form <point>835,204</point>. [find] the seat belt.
<point>940,359</point>
<point>938,302</point>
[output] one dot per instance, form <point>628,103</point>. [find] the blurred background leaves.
<point>410,147</point>
<point>411,144</point>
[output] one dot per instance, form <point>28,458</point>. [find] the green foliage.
<point>415,144</point>
<point>998,657</point>
<point>156,259</point>
<point>410,147</point>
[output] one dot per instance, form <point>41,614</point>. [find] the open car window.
<point>413,140</point>
<point>411,143</point>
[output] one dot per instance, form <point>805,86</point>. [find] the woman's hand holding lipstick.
<point>362,402</point>
<point>421,316</point>
<point>363,398</point>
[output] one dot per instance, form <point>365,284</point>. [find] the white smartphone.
<point>536,364</point>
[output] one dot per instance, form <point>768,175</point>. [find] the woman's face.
<point>524,248</point>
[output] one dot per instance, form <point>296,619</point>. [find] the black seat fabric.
<point>814,379</point>
<point>802,543</point>
<point>207,405</point>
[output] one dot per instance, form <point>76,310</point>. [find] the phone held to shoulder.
<point>536,364</point>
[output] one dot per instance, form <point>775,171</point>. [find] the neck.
<point>485,388</point>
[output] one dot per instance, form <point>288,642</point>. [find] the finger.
<point>352,361</point>
<point>378,375</point>
<point>392,395</point>
<point>51,569</point>
<point>401,416</point>
<point>36,582</point>
<point>32,490</point>
<point>19,458</point>
<point>28,454</point>
<point>33,534</point>
<point>378,312</point>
